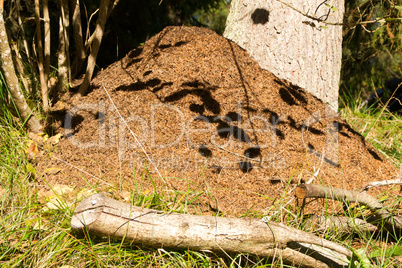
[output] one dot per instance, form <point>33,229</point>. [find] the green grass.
<point>382,128</point>
<point>33,235</point>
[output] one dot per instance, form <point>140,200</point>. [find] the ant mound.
<point>217,130</point>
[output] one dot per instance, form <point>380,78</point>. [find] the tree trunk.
<point>63,55</point>
<point>300,41</point>
<point>42,76</point>
<point>107,217</point>
<point>11,78</point>
<point>78,39</point>
<point>46,23</point>
<point>98,34</point>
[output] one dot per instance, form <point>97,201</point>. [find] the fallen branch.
<point>105,216</point>
<point>338,224</point>
<point>318,191</point>
<point>383,183</point>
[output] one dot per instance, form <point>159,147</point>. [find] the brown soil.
<point>212,121</point>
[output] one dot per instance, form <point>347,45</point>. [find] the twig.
<point>339,224</point>
<point>133,134</point>
<point>383,183</point>
<point>309,16</point>
<point>318,191</point>
<point>89,174</point>
<point>261,160</point>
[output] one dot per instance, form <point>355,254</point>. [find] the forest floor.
<point>212,123</point>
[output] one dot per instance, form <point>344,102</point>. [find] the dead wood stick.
<point>339,224</point>
<point>318,191</point>
<point>383,183</point>
<point>105,216</point>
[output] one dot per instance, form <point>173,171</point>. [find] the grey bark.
<point>104,216</point>
<point>11,78</point>
<point>288,39</point>
<point>346,196</point>
<point>338,224</point>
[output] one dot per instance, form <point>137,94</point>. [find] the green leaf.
<point>334,9</point>
<point>30,168</point>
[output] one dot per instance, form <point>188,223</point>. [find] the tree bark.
<point>42,76</point>
<point>46,23</point>
<point>318,191</point>
<point>63,55</point>
<point>338,224</point>
<point>78,39</point>
<point>11,78</point>
<point>107,217</point>
<point>293,40</point>
<point>98,34</point>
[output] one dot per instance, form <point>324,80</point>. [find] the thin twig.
<point>89,174</point>
<point>133,134</point>
<point>309,16</point>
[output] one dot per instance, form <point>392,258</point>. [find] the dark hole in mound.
<point>274,118</point>
<point>240,134</point>
<point>132,87</point>
<point>99,115</point>
<point>233,116</point>
<point>195,84</point>
<point>286,96</point>
<point>223,129</point>
<point>204,151</point>
<point>205,95</point>
<point>73,123</point>
<point>135,52</point>
<point>177,44</point>
<point>250,109</point>
<point>315,131</point>
<point>164,46</point>
<point>374,154</point>
<point>310,147</point>
<point>147,73</point>
<point>132,62</point>
<point>245,166</point>
<point>180,43</point>
<point>197,108</point>
<point>280,134</point>
<point>153,82</point>
<point>293,123</point>
<point>252,152</point>
<point>156,89</point>
<point>298,94</point>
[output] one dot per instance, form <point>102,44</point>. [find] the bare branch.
<point>318,191</point>
<point>105,216</point>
